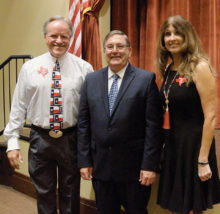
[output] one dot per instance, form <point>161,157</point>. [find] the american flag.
<point>76,10</point>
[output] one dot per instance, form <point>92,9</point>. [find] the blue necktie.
<point>113,93</point>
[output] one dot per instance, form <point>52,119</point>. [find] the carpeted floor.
<point>14,202</point>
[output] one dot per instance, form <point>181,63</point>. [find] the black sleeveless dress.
<point>180,189</point>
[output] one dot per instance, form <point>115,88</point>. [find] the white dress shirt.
<point>120,78</point>
<point>31,99</point>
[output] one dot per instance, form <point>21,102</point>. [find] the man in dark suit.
<point>119,130</point>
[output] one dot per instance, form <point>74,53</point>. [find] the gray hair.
<point>116,32</point>
<point>58,17</point>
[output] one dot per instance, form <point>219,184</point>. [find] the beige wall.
<point>21,33</point>
<point>21,24</point>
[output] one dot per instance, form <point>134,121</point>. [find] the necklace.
<point>166,122</point>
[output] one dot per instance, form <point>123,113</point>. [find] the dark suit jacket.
<point>120,145</point>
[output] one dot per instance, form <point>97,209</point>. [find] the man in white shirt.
<point>52,152</point>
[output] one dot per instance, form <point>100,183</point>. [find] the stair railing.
<point>9,71</point>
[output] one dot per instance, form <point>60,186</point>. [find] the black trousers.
<point>53,161</point>
<point>111,195</point>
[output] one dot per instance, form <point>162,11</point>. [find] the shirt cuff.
<point>13,144</point>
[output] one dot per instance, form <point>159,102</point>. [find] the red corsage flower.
<point>181,80</point>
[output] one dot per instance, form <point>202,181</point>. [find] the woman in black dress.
<point>189,181</point>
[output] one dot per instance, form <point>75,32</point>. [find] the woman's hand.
<point>204,172</point>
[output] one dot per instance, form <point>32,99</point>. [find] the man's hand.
<point>15,157</point>
<point>86,173</point>
<point>147,177</point>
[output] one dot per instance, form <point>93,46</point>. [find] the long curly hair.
<point>192,50</point>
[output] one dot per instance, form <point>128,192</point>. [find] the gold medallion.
<point>54,134</point>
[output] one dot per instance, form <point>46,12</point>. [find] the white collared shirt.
<point>120,78</point>
<point>31,99</point>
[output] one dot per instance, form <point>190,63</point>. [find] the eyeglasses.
<point>119,47</point>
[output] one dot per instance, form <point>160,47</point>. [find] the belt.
<point>54,133</point>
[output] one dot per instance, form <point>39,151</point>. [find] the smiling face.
<point>173,41</point>
<point>117,52</point>
<point>57,38</point>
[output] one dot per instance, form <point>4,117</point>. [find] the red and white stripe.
<point>51,101</point>
<point>56,92</point>
<point>57,75</point>
<point>56,109</point>
<point>60,117</point>
<point>51,118</point>
<point>74,16</point>
<point>59,101</point>
<point>56,125</point>
<point>76,10</point>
